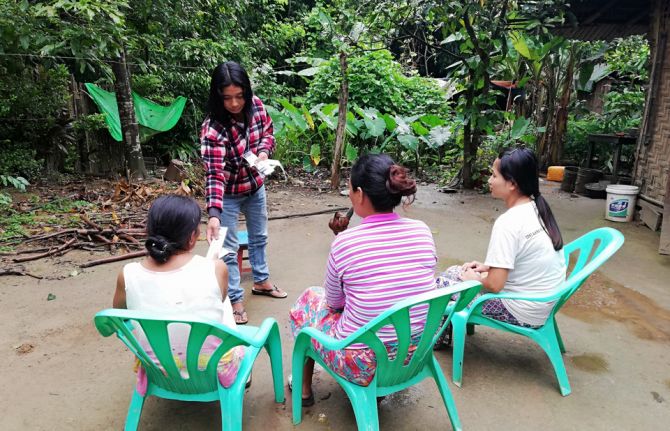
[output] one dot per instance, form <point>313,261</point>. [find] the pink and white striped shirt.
<point>373,266</point>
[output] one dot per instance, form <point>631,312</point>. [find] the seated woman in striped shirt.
<point>370,267</point>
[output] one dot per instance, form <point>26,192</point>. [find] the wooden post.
<point>341,124</point>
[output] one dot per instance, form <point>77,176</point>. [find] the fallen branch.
<point>88,221</point>
<point>16,272</point>
<point>48,253</point>
<point>113,259</point>
<point>331,210</point>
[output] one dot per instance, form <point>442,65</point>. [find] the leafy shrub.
<point>377,81</point>
<point>18,160</point>
<point>33,116</point>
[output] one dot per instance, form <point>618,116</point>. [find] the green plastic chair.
<point>588,253</point>
<point>392,375</point>
<point>201,384</point>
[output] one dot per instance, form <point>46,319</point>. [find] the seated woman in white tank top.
<point>174,280</point>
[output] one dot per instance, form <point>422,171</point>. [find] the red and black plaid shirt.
<point>226,171</point>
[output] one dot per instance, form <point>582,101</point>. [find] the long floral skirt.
<point>356,365</point>
<point>226,369</point>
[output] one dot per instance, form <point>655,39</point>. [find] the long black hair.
<point>384,182</point>
<point>520,166</point>
<point>223,75</point>
<point>171,221</point>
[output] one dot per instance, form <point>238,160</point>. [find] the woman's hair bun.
<point>399,183</point>
<point>159,248</point>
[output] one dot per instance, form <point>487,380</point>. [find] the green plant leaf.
<point>519,43</point>
<point>390,122</point>
<point>375,126</point>
<point>439,136</point>
<point>419,129</point>
<point>315,154</point>
<point>431,120</point>
<point>351,153</point>
<point>410,142</point>
<point>307,165</point>
<point>519,127</point>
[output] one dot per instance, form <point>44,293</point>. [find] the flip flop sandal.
<point>240,317</point>
<point>306,402</point>
<point>274,292</point>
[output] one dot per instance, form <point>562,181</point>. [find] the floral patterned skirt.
<point>493,308</point>
<point>356,365</point>
<point>227,368</point>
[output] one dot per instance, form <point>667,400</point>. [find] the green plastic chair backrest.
<point>584,255</point>
<point>152,117</point>
<point>394,371</point>
<point>155,327</point>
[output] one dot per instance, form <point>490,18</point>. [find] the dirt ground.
<point>61,374</point>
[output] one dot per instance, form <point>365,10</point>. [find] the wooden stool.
<point>243,242</point>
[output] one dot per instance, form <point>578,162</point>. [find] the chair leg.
<point>232,403</point>
<point>551,347</point>
<point>558,336</point>
<point>297,366</point>
<point>442,386</point>
<point>273,347</point>
<point>134,411</point>
<point>364,402</point>
<point>457,348</point>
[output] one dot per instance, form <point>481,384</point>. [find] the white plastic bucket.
<point>620,204</point>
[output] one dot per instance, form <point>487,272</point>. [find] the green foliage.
<point>377,81</point>
<point>628,57</point>
<point>623,110</point>
<point>305,136</point>
<point>19,160</point>
<point>18,183</point>
<point>14,224</point>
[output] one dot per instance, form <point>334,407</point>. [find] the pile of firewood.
<point>122,238</point>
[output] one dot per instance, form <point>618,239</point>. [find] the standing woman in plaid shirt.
<point>237,124</point>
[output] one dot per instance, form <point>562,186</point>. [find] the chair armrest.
<point>257,336</point>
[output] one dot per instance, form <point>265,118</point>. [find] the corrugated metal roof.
<point>606,19</point>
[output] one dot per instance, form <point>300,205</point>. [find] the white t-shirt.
<point>520,244</point>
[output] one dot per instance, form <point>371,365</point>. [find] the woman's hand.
<point>339,223</point>
<point>262,156</point>
<point>475,266</point>
<point>470,274</point>
<point>213,225</point>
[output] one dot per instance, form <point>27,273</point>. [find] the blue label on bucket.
<point>618,208</point>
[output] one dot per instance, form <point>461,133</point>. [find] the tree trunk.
<point>129,127</point>
<point>556,148</point>
<point>341,124</point>
<point>468,159</point>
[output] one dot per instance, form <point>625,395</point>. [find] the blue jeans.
<point>255,211</point>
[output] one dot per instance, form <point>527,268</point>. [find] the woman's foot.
<point>307,400</point>
<point>240,314</point>
<point>268,289</point>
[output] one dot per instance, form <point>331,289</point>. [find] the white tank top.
<point>190,292</point>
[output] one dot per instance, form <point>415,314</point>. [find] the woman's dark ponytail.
<point>548,221</point>
<point>520,166</point>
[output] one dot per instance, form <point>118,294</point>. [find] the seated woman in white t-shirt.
<point>174,280</point>
<point>525,253</point>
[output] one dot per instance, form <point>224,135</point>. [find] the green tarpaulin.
<point>152,117</point>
